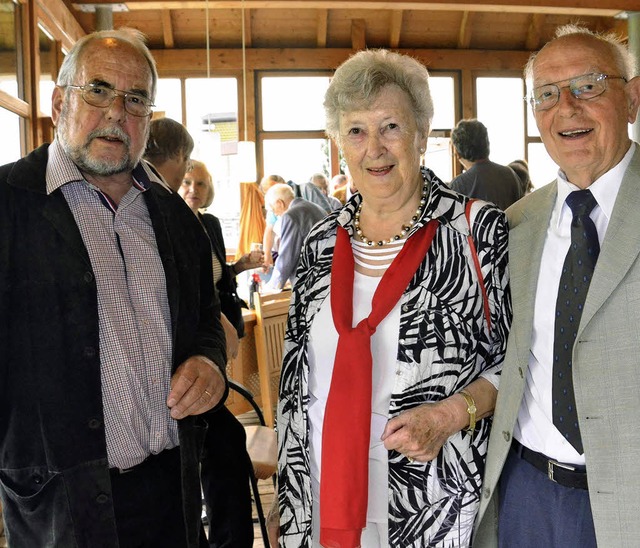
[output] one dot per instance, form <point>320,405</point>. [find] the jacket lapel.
<point>526,242</point>
<point>621,245</point>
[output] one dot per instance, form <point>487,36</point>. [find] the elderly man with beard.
<point>111,348</point>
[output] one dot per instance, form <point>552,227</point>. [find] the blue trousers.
<point>536,512</point>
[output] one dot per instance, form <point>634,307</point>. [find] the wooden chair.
<point>263,452</point>
<point>271,321</point>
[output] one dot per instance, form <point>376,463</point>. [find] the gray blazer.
<point>606,363</point>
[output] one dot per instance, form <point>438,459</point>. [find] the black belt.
<point>164,457</point>
<point>568,475</point>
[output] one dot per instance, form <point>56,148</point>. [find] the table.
<point>244,367</point>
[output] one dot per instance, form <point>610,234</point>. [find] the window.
<point>500,107</point>
<point>281,155</point>
<point>168,99</point>
<point>293,103</point>
<point>438,156</point>
<point>291,133</point>
<point>212,121</point>
<point>10,124</point>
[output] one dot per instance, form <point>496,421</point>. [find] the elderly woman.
<point>396,334</point>
<point>225,464</point>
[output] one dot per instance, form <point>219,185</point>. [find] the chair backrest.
<point>271,321</point>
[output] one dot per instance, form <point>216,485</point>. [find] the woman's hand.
<point>420,433</point>
<point>254,259</point>
<point>273,523</point>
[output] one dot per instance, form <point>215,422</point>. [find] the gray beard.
<point>81,156</point>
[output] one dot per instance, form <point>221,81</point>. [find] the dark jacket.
<point>486,180</point>
<point>230,304</point>
<point>54,478</point>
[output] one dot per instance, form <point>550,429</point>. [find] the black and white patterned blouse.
<point>444,344</point>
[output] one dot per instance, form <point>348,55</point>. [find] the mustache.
<point>113,132</point>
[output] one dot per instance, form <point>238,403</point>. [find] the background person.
<point>296,217</point>
<point>482,178</point>
<point>567,452</point>
<point>389,400</point>
<point>226,465</point>
<point>104,388</point>
<point>521,169</point>
<point>169,148</point>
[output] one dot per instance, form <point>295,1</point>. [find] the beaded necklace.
<point>405,228</point>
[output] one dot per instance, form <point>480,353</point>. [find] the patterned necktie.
<point>572,292</point>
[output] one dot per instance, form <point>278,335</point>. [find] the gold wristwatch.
<point>471,409</point>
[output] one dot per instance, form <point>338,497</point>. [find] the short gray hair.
<point>133,37</point>
<point>358,81</point>
<point>623,58</point>
<point>280,191</point>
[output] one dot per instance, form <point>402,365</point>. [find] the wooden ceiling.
<point>353,24</point>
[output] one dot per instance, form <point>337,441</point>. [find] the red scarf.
<point>347,421</point>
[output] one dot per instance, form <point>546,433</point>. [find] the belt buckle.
<point>553,463</point>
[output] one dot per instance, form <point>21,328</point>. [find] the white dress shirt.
<point>534,427</point>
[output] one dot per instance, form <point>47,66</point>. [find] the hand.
<point>254,259</point>
<point>273,523</point>
<point>420,433</point>
<point>268,262</point>
<point>231,335</point>
<point>196,386</point>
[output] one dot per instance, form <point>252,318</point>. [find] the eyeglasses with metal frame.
<point>584,87</point>
<point>101,96</point>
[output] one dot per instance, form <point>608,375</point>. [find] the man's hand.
<point>196,386</point>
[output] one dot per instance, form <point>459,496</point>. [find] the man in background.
<point>110,339</point>
<point>168,149</point>
<point>565,441</point>
<point>297,217</point>
<point>482,178</point>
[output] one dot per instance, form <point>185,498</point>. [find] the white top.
<point>534,427</point>
<point>322,348</point>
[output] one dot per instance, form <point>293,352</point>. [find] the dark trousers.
<point>148,504</point>
<point>225,482</point>
<point>536,512</point>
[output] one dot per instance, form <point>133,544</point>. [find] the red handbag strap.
<point>476,262</point>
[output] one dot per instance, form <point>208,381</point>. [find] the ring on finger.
<point>207,393</point>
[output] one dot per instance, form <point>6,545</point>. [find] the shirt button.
<point>89,352</point>
<point>401,341</point>
<point>487,492</point>
<point>88,277</point>
<point>94,424</point>
<point>102,498</point>
<point>521,373</point>
<point>507,435</point>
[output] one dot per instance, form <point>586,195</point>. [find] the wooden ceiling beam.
<point>167,29</point>
<point>321,33</point>
<point>466,27</point>
<point>358,34</point>
<point>395,28</point>
<point>247,28</point>
<point>605,8</point>
<point>534,32</point>
<point>192,62</point>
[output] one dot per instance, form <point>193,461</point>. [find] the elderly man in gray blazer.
<point>565,442</point>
